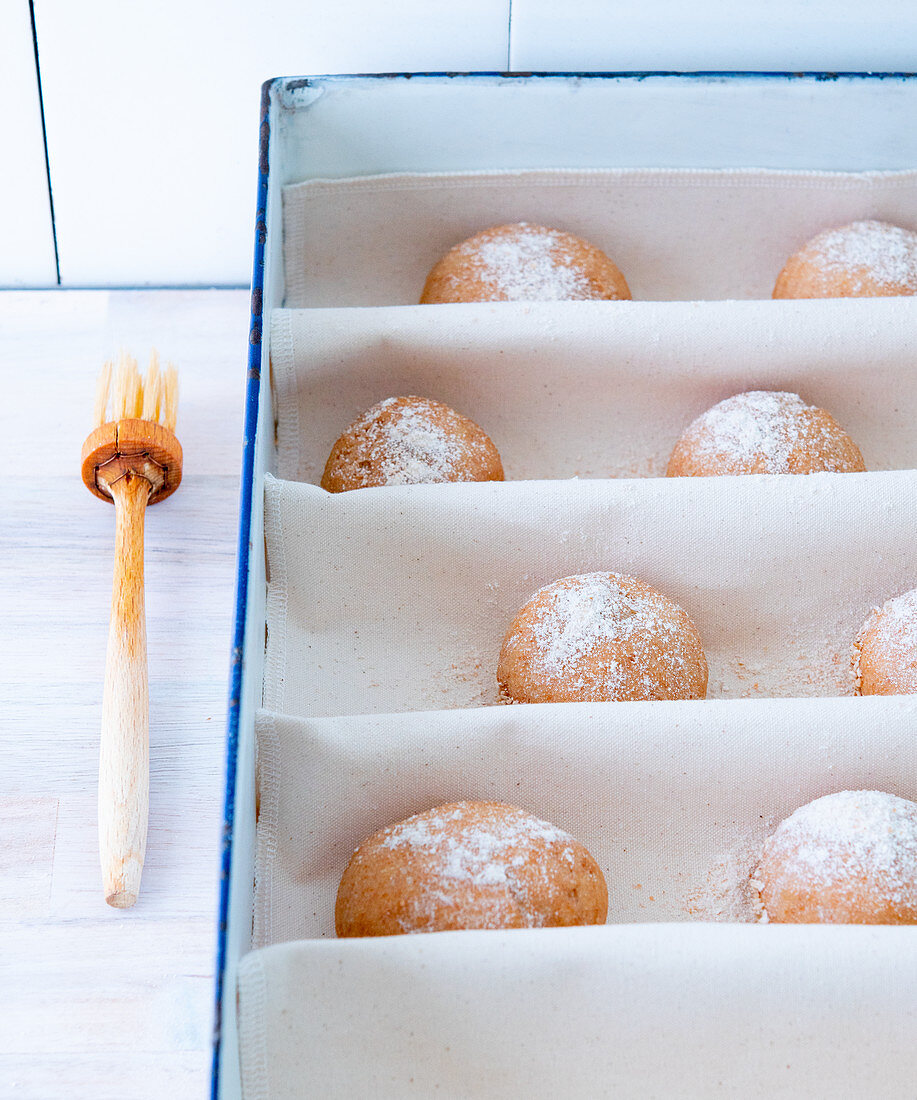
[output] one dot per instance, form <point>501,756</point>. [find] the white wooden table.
<point>96,1002</point>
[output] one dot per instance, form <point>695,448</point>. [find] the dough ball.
<point>847,858</point>
<point>469,865</point>
<point>763,432</point>
<point>523,263</point>
<point>599,637</point>
<point>410,441</point>
<point>885,650</point>
<point>863,260</point>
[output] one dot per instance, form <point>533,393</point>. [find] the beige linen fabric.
<point>674,1011</point>
<point>398,598</point>
<point>674,233</point>
<point>386,609</point>
<point>595,389</point>
<point>672,799</point>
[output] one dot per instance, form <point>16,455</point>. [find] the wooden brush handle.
<point>124,760</point>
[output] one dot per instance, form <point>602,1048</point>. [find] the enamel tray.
<point>331,127</point>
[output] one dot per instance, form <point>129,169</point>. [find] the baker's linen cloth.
<point>680,1011</point>
<point>673,799</point>
<point>397,599</point>
<point>675,233</point>
<point>595,389</point>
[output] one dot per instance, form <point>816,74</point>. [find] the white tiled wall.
<point>152,114</point>
<point>152,109</point>
<point>27,250</point>
<point>704,35</point>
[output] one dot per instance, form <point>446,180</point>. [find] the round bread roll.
<point>523,263</point>
<point>847,858</point>
<point>863,260</point>
<point>885,650</point>
<point>469,865</point>
<point>410,441</point>
<point>764,432</point>
<point>601,637</point>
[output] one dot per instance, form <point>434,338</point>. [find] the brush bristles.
<point>102,388</point>
<point>152,388</point>
<point>129,396</point>
<point>168,408</point>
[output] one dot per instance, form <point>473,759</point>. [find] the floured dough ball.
<point>410,441</point>
<point>863,260</point>
<point>523,263</point>
<point>764,432</point>
<point>847,858</point>
<point>885,650</point>
<point>469,865</point>
<point>599,637</point>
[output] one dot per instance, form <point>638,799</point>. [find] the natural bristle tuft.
<point>122,393</point>
<point>127,399</point>
<point>169,403</point>
<point>152,389</point>
<point>102,388</point>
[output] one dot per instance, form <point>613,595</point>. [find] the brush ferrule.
<point>140,465</point>
<point>139,447</point>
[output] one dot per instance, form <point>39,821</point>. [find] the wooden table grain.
<point>95,1002</point>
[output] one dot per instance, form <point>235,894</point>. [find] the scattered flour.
<point>729,893</point>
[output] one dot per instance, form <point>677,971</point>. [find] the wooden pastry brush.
<point>133,459</point>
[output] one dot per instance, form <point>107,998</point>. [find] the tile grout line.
<point>44,139</point>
